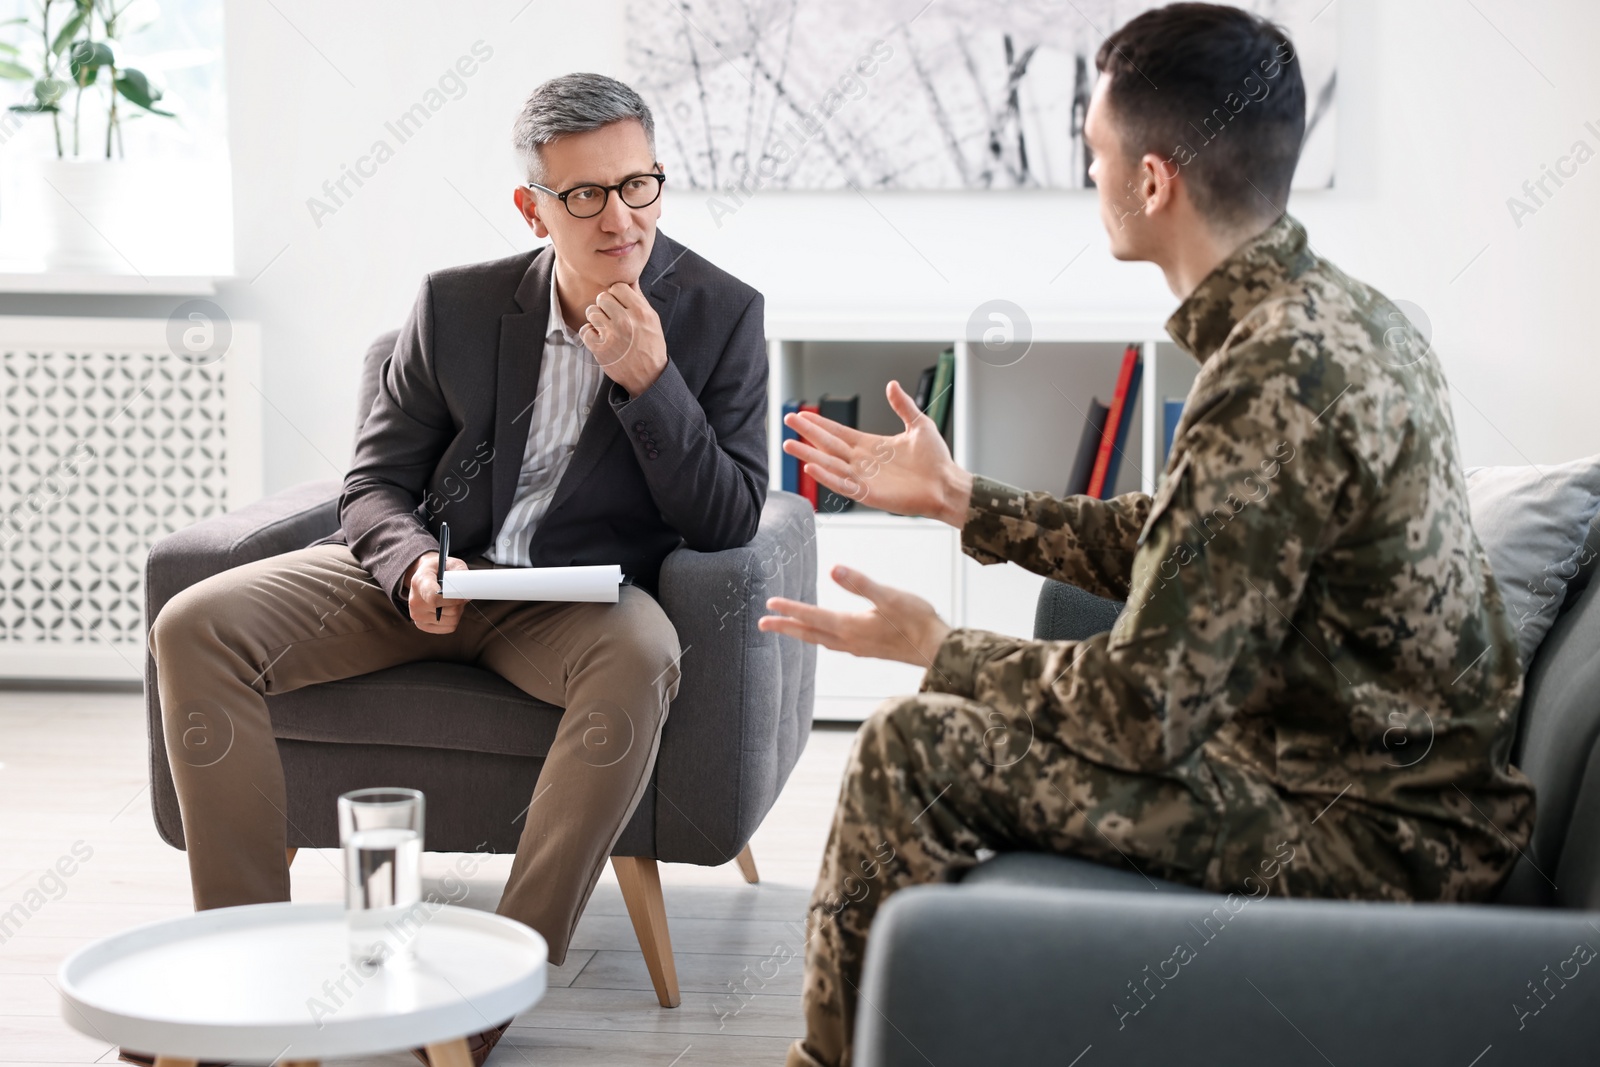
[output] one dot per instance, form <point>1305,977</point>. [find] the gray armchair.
<point>1049,960</point>
<point>474,743</point>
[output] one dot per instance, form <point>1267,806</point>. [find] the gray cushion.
<point>476,800</point>
<point>420,705</point>
<point>1558,748</point>
<point>743,710</point>
<point>1045,871</point>
<point>1067,613</point>
<point>1532,522</point>
<point>371,367</point>
<point>1000,975</point>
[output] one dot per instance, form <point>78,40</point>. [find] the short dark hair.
<point>1218,91</point>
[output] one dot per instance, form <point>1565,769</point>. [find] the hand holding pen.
<point>424,589</point>
<point>444,564</point>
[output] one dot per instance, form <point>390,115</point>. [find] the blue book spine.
<point>1122,428</point>
<point>1172,411</point>
<point>791,466</point>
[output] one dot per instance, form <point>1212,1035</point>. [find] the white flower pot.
<point>85,207</point>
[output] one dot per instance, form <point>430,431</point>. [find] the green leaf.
<point>10,49</point>
<point>35,109</point>
<point>136,87</point>
<point>92,53</point>
<point>47,92</point>
<point>87,58</point>
<point>69,31</point>
<point>14,71</point>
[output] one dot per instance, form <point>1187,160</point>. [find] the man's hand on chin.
<point>624,333</point>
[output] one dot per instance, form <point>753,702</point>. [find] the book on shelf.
<point>1106,463</point>
<point>1088,448</point>
<point>924,390</point>
<point>845,410</point>
<point>1171,412</point>
<point>944,381</point>
<point>808,485</point>
<point>791,465</point>
<point>1119,447</point>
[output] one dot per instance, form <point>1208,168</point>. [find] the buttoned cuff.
<point>652,418</point>
<point>413,549</point>
<point>962,654</point>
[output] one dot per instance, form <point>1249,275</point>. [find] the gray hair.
<point>575,103</point>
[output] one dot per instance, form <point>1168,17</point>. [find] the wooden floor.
<point>73,769</point>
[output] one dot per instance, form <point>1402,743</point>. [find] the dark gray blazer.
<point>685,461</point>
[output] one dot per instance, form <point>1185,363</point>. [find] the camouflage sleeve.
<point>1079,540</point>
<point>1222,562</point>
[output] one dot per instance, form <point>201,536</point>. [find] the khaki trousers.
<point>315,615</point>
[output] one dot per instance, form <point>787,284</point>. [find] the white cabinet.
<point>999,597</point>
<point>912,554</point>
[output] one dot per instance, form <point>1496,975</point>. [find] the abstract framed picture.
<point>948,94</point>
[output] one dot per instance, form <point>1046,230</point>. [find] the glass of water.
<point>381,833</point>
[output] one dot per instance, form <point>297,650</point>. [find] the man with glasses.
<point>598,400</point>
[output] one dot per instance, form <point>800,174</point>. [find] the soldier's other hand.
<point>422,595</point>
<point>910,473</point>
<point>899,626</point>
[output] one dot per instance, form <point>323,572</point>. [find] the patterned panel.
<point>102,452</point>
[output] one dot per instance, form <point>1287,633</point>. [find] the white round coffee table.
<point>274,982</point>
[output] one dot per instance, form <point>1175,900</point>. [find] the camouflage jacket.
<point>1312,625</point>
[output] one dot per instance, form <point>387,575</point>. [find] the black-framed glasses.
<point>587,201</point>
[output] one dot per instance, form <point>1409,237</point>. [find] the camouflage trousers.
<point>933,778</point>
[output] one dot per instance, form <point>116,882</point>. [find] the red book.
<point>1114,417</point>
<point>808,484</point>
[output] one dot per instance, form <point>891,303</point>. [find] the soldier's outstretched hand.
<point>899,626</point>
<point>910,473</point>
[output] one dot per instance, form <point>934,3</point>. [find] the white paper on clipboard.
<point>597,584</point>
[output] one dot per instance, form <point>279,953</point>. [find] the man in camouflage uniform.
<point>1314,683</point>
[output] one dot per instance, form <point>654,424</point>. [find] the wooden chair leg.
<point>747,865</point>
<point>289,854</point>
<point>450,1054</point>
<point>641,891</point>
<point>174,1061</point>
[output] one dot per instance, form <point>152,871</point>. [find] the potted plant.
<point>70,52</point>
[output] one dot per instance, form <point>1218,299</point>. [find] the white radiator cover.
<point>108,442</point>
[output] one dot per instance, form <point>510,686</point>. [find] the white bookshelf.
<point>1018,423</point>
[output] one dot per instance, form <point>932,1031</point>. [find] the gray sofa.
<point>1037,959</point>
<point>474,743</point>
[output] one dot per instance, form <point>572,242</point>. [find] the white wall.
<point>1441,119</point>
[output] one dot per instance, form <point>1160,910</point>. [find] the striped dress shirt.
<point>569,379</point>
